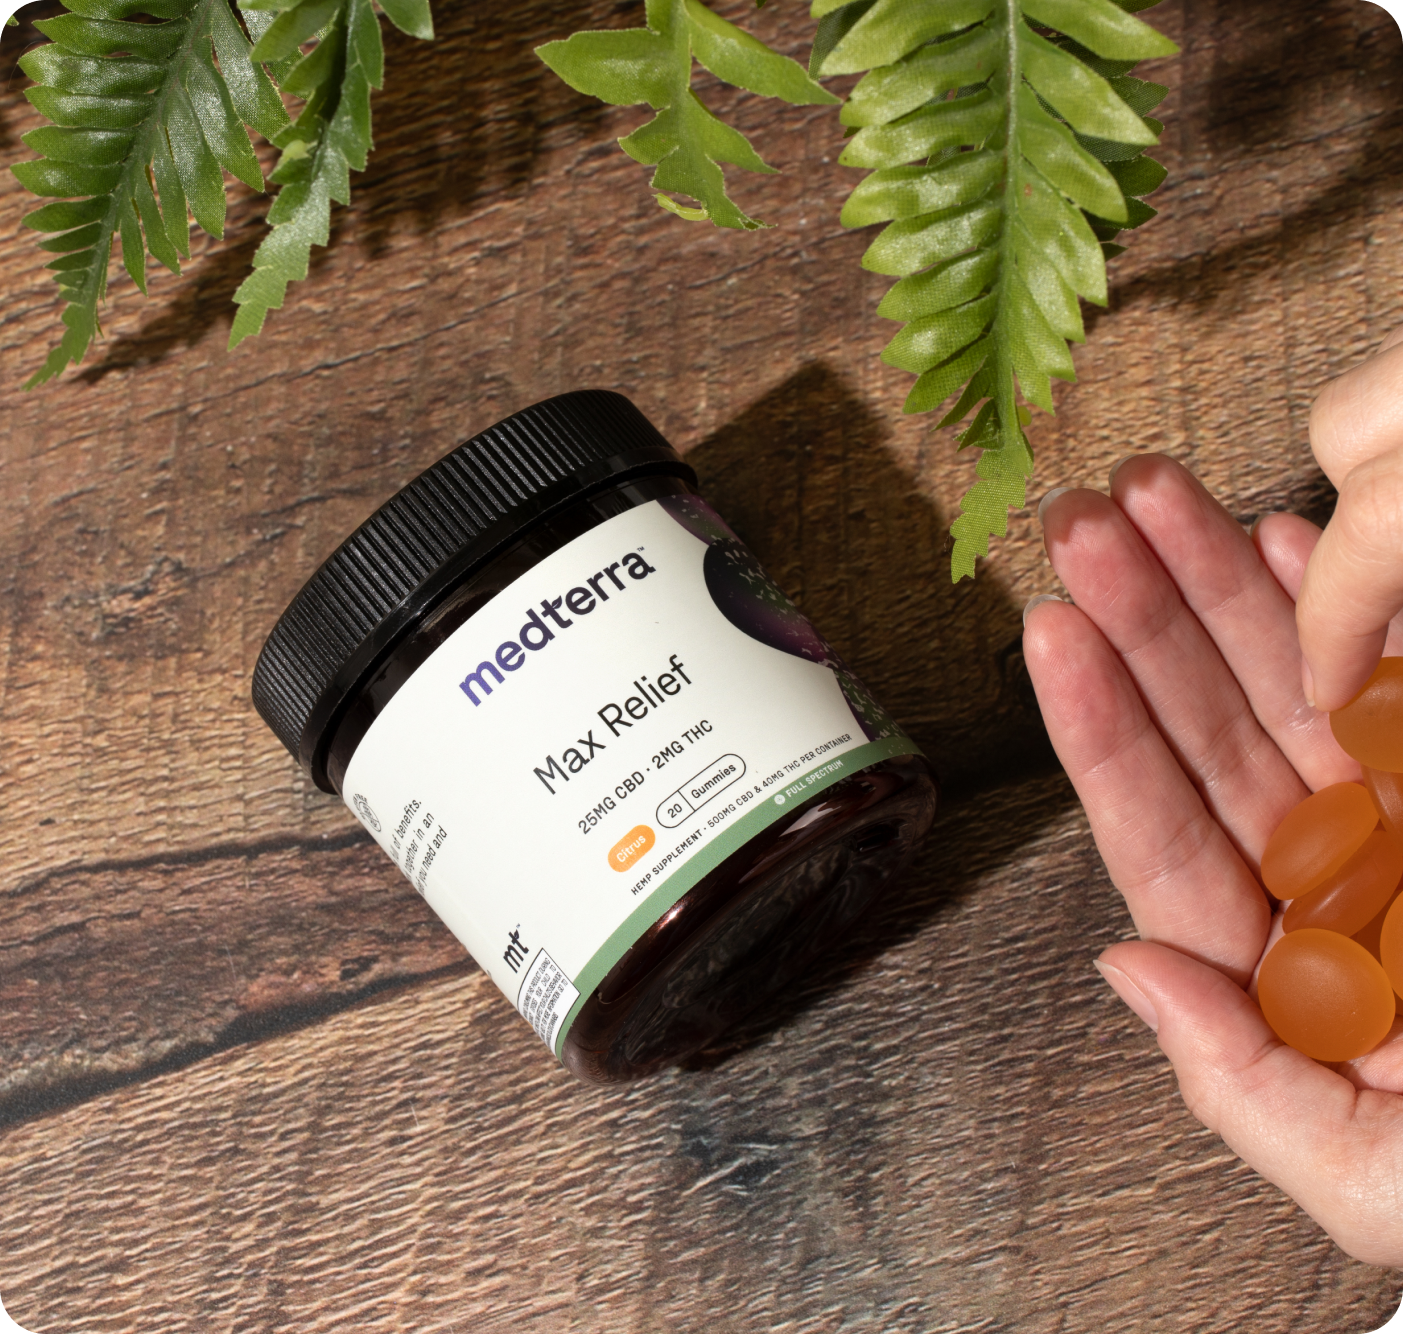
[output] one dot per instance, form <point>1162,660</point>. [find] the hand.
<point>1172,691</point>
<point>1353,584</point>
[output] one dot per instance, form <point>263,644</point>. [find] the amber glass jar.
<point>567,701</point>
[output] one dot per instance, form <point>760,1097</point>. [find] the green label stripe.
<point>732,839</point>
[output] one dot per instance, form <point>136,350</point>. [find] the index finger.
<point>1353,585</point>
<point>1359,415</point>
<point>1354,580</point>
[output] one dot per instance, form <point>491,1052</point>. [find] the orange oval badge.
<point>631,847</point>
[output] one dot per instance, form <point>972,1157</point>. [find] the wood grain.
<point>183,922</point>
<point>955,1128</point>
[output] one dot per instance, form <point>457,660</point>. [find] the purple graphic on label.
<point>751,601</point>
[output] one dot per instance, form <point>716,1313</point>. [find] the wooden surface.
<point>248,1083</point>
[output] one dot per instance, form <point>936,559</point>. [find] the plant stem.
<point>1010,433</point>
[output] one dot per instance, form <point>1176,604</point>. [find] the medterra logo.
<point>582,600</point>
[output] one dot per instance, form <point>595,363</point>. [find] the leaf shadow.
<point>202,297</point>
<point>440,155</point>
<point>1274,64</point>
<point>1208,278</point>
<point>1270,78</point>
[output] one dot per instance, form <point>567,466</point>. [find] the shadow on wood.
<point>1310,495</point>
<point>1264,100</point>
<point>807,480</point>
<point>468,116</point>
<point>1202,280</point>
<point>1266,83</point>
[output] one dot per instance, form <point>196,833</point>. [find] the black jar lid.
<point>450,520</point>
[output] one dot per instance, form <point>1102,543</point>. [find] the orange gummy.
<point>1317,837</point>
<point>1386,790</point>
<point>1347,900</point>
<point>1370,934</point>
<point>1325,995</point>
<point>1369,937</point>
<point>1370,726</point>
<point>1391,945</point>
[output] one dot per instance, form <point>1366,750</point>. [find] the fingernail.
<point>1037,602</point>
<point>1129,993</point>
<point>1116,467</point>
<point>1049,498</point>
<point>1308,682</point>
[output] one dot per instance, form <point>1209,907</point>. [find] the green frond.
<point>145,124</point>
<point>924,132</point>
<point>1135,174</point>
<point>1005,159</point>
<point>411,17</point>
<point>149,116</point>
<point>928,73</point>
<point>893,28</point>
<point>1101,26</point>
<point>833,25</point>
<point>330,138</point>
<point>684,141</point>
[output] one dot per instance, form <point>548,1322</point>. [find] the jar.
<point>620,765</point>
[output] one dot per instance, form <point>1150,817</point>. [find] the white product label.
<point>607,730</point>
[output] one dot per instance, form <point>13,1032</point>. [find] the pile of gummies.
<point>1329,987</point>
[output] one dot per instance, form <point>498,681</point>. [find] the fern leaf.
<point>1135,174</point>
<point>892,28</point>
<point>1004,161</point>
<point>684,141</point>
<point>1102,26</point>
<point>144,120</point>
<point>411,17</point>
<point>330,138</point>
<point>833,25</point>
<point>927,74</point>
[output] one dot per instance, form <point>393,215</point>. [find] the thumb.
<point>1336,1150</point>
<point>1353,584</point>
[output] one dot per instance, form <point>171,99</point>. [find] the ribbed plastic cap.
<point>449,520</point>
